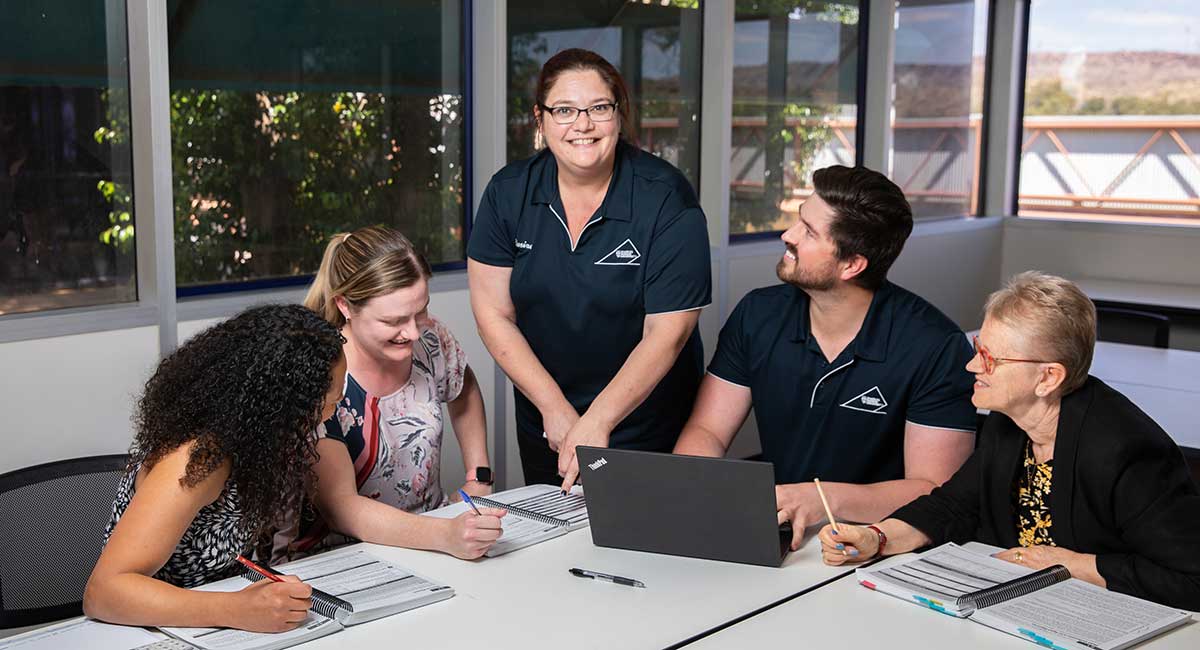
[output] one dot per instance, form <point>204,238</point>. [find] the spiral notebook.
<point>1046,607</point>
<point>536,513</point>
<point>355,587</point>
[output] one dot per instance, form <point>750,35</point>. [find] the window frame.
<point>1018,125</point>
<point>978,210</point>
<point>860,108</point>
<point>466,52</point>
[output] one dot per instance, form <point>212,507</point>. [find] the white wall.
<point>954,264</point>
<point>1074,249</point>
<point>72,396</point>
<point>1110,251</point>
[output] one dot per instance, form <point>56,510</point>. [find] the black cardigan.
<point>1120,489</point>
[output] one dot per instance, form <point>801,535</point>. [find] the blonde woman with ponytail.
<point>380,453</point>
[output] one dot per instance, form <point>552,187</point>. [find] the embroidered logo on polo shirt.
<point>523,244</point>
<point>871,401</point>
<point>624,255</point>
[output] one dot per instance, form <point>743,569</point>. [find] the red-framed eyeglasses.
<point>990,362</point>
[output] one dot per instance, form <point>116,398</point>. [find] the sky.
<point>1109,25</point>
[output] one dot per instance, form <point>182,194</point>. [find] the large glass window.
<point>1112,112</point>
<point>937,117</point>
<point>656,46</point>
<point>66,210</point>
<point>795,86</point>
<point>291,121</point>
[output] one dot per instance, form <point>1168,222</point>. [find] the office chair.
<point>52,519</point>
<point>1133,327</point>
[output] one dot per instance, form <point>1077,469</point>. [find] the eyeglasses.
<point>568,114</point>
<point>990,362</point>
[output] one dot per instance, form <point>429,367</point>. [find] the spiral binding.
<point>325,604</point>
<point>524,512</point>
<point>1026,584</point>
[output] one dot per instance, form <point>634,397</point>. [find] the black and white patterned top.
<point>209,547</point>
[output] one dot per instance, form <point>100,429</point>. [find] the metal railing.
<point>1111,166</point>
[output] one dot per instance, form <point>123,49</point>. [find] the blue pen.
<point>467,500</point>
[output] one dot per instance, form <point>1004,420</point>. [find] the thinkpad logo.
<point>598,464</point>
<point>871,401</point>
<point>624,255</point>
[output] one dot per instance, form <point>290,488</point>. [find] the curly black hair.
<point>249,390</point>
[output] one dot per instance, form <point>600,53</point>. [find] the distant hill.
<point>945,90</point>
<point>1146,75</point>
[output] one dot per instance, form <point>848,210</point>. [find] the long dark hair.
<point>577,59</point>
<point>249,390</point>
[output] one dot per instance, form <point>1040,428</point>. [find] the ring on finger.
<point>1017,555</point>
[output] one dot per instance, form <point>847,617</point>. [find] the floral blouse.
<point>1031,497</point>
<point>395,441</point>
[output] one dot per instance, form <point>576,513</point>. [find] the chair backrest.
<point>52,520</point>
<point>1119,325</point>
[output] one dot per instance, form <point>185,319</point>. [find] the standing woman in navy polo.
<point>588,266</point>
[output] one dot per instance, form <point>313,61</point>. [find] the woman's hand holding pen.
<point>470,535</point>
<point>849,545</point>
<point>268,606</point>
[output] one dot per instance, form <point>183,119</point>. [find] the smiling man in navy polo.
<point>853,380</point>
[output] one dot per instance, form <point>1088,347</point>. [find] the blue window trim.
<point>214,288</point>
<point>264,284</point>
<point>468,38</point>
<point>745,237</point>
<point>468,81</point>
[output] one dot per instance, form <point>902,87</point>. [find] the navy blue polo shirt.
<point>844,421</point>
<point>644,251</point>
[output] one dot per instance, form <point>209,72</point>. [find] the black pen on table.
<point>618,580</point>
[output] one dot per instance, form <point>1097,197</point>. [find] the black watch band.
<point>483,475</point>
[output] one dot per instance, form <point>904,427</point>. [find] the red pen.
<point>259,570</point>
<point>325,604</point>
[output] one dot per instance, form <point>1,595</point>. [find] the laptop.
<point>711,508</point>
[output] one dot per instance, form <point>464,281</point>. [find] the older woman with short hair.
<point>1068,471</point>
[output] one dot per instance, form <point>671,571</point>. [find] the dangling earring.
<point>538,140</point>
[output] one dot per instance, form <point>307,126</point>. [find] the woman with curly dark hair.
<point>224,448</point>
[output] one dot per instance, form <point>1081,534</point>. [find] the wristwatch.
<point>483,475</point>
<point>882,540</point>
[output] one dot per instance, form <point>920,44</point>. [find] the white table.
<point>1163,383</point>
<point>846,615</point>
<point>527,599</point>
<point>1150,294</point>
